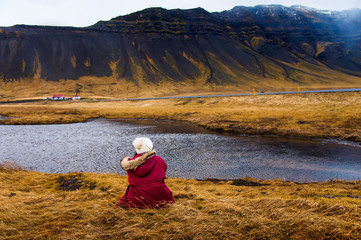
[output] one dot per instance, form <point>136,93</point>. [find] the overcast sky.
<point>80,13</point>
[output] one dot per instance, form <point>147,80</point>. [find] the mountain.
<point>166,52</point>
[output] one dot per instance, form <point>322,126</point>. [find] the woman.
<point>146,174</point>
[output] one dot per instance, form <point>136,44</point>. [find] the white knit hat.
<point>142,145</point>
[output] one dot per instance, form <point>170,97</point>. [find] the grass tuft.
<point>11,166</point>
<point>32,206</point>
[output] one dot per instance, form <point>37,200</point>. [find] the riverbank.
<point>306,115</point>
<point>36,205</point>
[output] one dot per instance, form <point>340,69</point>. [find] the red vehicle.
<point>58,97</point>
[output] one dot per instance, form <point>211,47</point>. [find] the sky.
<point>82,13</point>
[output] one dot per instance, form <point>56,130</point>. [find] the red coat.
<point>146,185</point>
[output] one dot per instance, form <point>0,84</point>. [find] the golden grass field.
<point>37,205</point>
<point>305,115</point>
<point>34,206</point>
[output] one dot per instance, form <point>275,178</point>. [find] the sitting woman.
<point>146,174</point>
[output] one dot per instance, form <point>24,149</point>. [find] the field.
<point>37,205</point>
<point>306,115</point>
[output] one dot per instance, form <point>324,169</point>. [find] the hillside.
<point>158,52</point>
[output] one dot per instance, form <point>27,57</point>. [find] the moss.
<point>74,182</point>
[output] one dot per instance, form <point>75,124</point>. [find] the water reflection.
<point>190,151</point>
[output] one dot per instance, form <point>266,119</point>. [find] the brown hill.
<point>158,52</point>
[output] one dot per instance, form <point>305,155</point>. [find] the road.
<point>199,96</point>
<point>235,94</point>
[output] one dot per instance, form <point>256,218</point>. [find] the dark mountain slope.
<point>331,37</point>
<point>268,47</point>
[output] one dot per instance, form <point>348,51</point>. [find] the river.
<point>190,151</point>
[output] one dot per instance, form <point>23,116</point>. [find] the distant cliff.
<point>247,46</point>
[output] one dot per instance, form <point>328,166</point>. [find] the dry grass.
<point>33,206</point>
<point>312,115</point>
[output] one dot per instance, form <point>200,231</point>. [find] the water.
<point>190,152</point>
<point>3,117</point>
